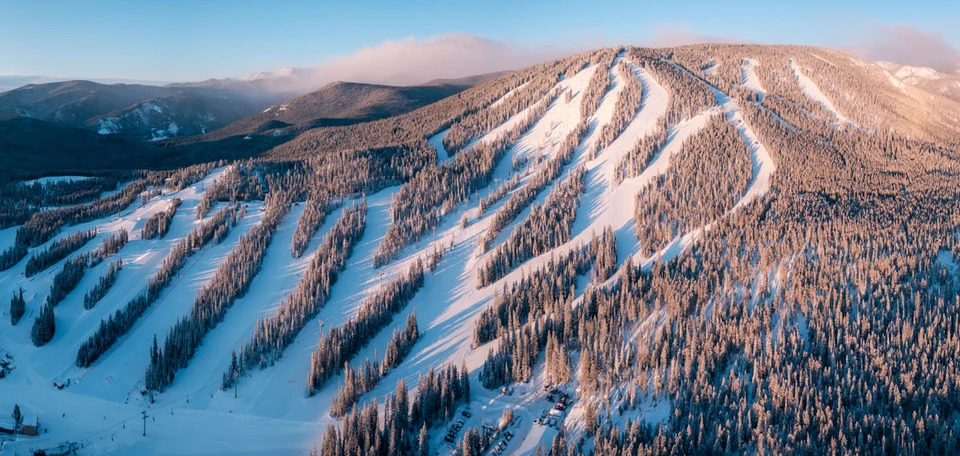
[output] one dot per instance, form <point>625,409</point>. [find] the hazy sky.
<point>195,40</point>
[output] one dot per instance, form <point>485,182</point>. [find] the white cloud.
<point>411,61</point>
<point>907,45</point>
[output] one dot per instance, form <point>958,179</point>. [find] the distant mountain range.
<point>946,84</point>
<point>144,124</point>
<point>342,103</point>
<point>135,111</point>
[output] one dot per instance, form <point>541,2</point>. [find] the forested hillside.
<point>709,249</point>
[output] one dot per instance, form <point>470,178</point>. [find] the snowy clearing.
<point>813,91</point>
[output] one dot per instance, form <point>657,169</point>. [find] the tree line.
<point>419,204</point>
<point>42,226</point>
<point>58,250</point>
<point>403,428</point>
<point>548,226</point>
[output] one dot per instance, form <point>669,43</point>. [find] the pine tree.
<point>590,418</point>
<point>17,307</point>
<point>230,377</point>
<point>153,370</point>
<point>423,445</point>
<point>17,417</point>
<point>44,326</point>
<point>465,382</point>
<point>329,446</point>
<point>471,442</point>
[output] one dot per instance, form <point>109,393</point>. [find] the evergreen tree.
<point>465,381</point>
<point>17,307</point>
<point>17,417</point>
<point>44,326</point>
<point>423,445</point>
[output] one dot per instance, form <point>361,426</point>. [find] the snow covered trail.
<point>750,81</point>
<point>763,169</point>
<point>279,390</point>
<point>544,137</point>
<point>278,277</point>
<point>437,142</point>
<point>813,91</point>
<point>119,373</point>
<point>54,361</point>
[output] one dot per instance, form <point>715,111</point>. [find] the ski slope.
<point>812,90</point>
<point>269,413</point>
<point>750,80</point>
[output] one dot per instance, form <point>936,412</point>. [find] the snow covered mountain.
<point>931,80</point>
<point>701,249</point>
<point>139,112</point>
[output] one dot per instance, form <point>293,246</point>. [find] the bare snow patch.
<point>108,126</point>
<point>437,142</point>
<point>946,259</point>
<point>750,81</point>
<point>811,90</point>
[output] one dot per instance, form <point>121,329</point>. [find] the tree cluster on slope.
<point>484,120</point>
<point>547,174</point>
<point>57,250</point>
<point>239,182</point>
<point>20,200</point>
<point>506,187</point>
<point>68,278</point>
<point>546,227</point>
<point>525,315</point>
<point>341,343</point>
<point>419,204</point>
<point>631,98</point>
<point>314,213</point>
<point>123,319</point>
<point>706,178</point>
<point>159,223</point>
<point>365,432</point>
<point>42,226</point>
<point>103,285</point>
<point>18,306</point>
<point>356,382</point>
<point>109,247</point>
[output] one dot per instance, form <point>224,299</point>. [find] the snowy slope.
<point>813,91</point>
<point>270,413</point>
<point>748,73</point>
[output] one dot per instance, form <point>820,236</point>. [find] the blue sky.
<point>181,40</point>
